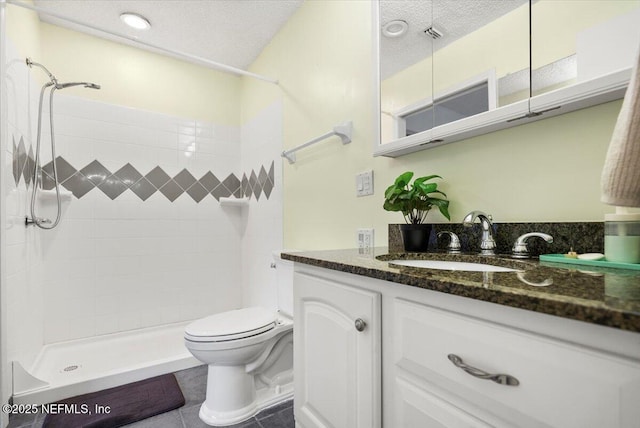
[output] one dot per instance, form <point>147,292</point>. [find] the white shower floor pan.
<point>81,366</point>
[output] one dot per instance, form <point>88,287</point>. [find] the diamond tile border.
<point>143,189</point>
<point>81,181</point>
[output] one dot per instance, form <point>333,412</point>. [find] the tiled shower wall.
<point>262,139</point>
<point>144,240</point>
<point>23,286</point>
<point>136,247</point>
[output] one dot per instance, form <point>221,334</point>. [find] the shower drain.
<point>71,368</point>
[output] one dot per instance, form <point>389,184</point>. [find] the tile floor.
<point>193,383</point>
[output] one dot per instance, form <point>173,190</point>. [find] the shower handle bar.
<point>183,55</point>
<point>35,220</point>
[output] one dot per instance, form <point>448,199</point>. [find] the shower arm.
<point>31,63</point>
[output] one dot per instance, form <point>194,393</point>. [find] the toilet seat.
<point>232,325</point>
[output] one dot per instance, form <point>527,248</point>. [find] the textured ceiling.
<point>232,32</point>
<point>453,18</point>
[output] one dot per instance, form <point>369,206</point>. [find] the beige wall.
<point>544,171</point>
<point>322,58</point>
<point>141,79</point>
<point>23,28</point>
<point>128,76</point>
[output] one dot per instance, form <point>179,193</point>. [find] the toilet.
<point>249,352</point>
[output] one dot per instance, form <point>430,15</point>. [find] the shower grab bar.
<point>343,131</point>
<point>183,55</point>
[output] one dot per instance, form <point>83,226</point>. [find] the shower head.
<point>85,84</point>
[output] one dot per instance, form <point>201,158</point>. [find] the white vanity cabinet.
<point>336,354</point>
<point>554,383</point>
<point>562,373</point>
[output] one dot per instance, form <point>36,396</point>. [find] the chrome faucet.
<point>520,250</point>
<point>487,243</point>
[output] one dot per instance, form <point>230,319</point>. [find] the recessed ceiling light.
<point>136,21</point>
<point>395,28</point>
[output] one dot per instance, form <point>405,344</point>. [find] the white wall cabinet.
<point>569,373</point>
<point>336,355</point>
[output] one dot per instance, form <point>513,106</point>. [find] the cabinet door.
<point>337,370</point>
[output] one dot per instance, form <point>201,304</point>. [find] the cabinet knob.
<point>360,324</point>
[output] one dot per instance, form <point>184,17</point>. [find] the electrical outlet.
<point>364,183</point>
<point>365,241</point>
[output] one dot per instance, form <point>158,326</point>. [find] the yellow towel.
<point>621,173</point>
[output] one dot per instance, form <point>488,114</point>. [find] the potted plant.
<point>415,200</point>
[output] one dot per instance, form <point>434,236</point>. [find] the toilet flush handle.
<point>360,324</point>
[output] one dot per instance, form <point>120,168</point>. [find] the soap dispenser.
<point>622,236</point>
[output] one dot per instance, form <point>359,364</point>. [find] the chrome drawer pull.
<point>360,324</point>
<point>502,379</point>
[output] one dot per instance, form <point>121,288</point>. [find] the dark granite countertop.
<point>604,296</point>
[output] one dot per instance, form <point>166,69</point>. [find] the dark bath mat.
<point>126,404</point>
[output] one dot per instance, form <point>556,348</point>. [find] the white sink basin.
<point>449,265</point>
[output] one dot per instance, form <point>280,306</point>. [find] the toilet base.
<point>246,375</point>
<point>254,402</point>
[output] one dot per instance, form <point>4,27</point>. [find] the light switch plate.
<point>364,183</point>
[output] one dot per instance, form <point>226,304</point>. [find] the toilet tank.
<point>284,283</point>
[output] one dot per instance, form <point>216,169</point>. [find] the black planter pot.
<point>415,237</point>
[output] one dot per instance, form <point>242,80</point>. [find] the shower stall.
<point>143,240</point>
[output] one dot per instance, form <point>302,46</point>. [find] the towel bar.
<point>344,131</point>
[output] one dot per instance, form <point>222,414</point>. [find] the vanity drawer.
<point>559,384</point>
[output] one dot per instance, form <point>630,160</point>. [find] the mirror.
<point>575,41</point>
<point>481,61</point>
<point>406,54</point>
<point>453,69</point>
<point>446,60</point>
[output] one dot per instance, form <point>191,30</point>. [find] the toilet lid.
<point>235,324</point>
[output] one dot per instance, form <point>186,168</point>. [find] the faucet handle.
<point>454,242</point>
<point>520,250</point>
